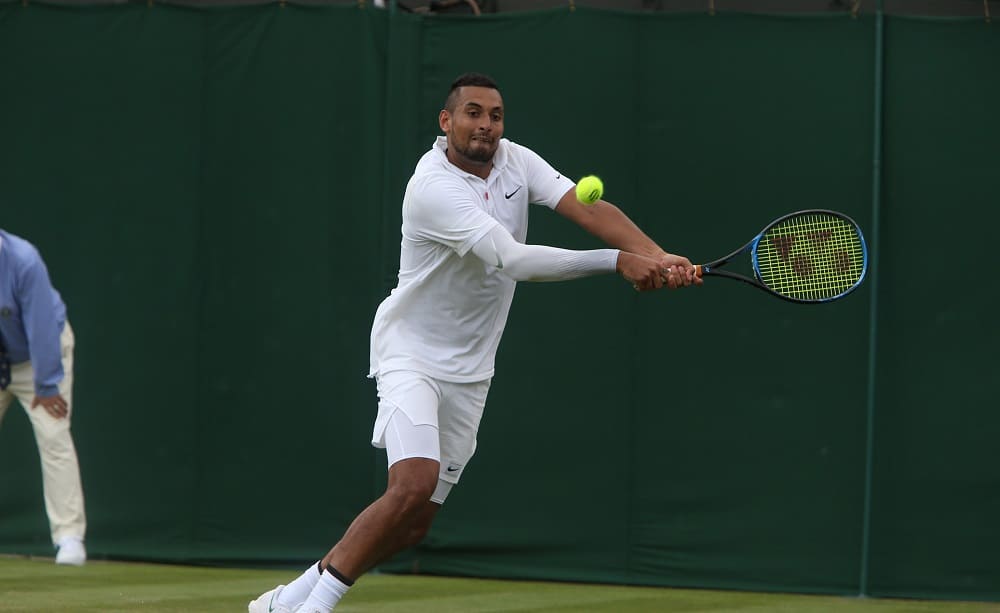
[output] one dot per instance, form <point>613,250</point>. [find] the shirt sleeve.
<point>442,209</point>
<point>540,262</point>
<point>546,185</point>
<point>39,316</point>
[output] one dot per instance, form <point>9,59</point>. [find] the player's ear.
<point>444,120</point>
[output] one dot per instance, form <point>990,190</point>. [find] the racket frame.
<point>751,247</point>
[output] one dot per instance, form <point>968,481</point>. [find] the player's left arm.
<point>610,224</point>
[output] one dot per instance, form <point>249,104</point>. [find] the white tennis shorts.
<point>422,417</point>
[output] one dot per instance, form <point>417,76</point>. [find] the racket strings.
<point>814,256</point>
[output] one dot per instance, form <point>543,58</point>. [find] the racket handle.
<point>698,270</point>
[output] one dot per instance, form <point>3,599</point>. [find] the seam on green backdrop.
<point>637,331</point>
<point>201,242</point>
<point>873,308</point>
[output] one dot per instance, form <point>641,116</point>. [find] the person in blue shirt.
<point>36,367</point>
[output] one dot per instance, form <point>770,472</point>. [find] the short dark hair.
<point>469,79</point>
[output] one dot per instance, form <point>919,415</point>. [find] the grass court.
<point>39,586</point>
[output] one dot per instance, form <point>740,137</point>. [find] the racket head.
<point>810,256</point>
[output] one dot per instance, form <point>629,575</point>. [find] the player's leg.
<point>397,520</point>
<point>377,537</point>
<point>459,412</point>
<point>407,427</point>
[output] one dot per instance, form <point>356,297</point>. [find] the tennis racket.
<point>811,256</point>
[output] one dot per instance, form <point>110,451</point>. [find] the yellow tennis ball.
<point>589,190</point>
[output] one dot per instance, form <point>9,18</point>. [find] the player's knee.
<point>414,494</point>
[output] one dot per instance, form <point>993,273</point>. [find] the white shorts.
<point>414,407</point>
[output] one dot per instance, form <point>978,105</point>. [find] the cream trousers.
<point>60,469</point>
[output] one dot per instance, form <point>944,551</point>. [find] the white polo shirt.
<point>448,310</point>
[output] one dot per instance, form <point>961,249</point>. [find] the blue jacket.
<point>32,314</point>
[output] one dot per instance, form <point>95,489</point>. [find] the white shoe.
<point>268,603</point>
<point>71,552</point>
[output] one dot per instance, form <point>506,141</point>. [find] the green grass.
<point>39,586</point>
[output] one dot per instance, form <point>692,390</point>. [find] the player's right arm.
<point>543,263</point>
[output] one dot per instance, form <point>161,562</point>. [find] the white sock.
<point>296,592</point>
<point>327,593</point>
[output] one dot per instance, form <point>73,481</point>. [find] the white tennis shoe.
<point>71,552</point>
<point>268,603</point>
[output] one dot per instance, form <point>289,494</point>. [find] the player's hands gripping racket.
<point>809,256</point>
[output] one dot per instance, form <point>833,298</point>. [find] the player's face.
<point>475,126</point>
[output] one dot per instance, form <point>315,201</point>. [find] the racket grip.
<point>697,270</point>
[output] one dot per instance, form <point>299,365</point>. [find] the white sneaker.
<point>71,552</point>
<point>268,603</point>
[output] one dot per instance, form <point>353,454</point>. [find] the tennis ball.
<point>589,190</point>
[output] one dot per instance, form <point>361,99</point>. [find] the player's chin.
<point>482,151</point>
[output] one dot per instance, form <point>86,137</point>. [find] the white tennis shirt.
<point>449,308</point>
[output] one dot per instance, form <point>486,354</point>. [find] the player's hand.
<point>55,406</point>
<point>642,272</point>
<point>677,271</point>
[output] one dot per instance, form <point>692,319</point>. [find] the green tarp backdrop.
<point>217,194</point>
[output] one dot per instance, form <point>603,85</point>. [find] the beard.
<point>477,150</point>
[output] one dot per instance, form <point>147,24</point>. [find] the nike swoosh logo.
<point>453,469</point>
<point>508,196</point>
<point>270,605</point>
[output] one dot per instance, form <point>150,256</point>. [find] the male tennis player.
<point>434,339</point>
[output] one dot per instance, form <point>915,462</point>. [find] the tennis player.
<point>434,339</point>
